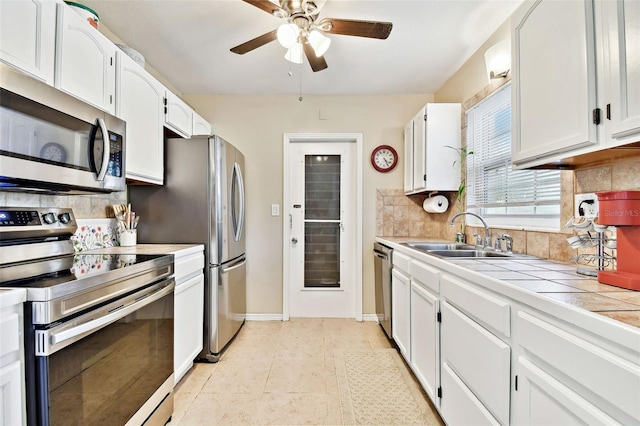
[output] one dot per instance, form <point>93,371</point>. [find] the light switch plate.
<point>586,205</point>
<point>275,209</point>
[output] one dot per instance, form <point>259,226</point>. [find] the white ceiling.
<point>188,42</point>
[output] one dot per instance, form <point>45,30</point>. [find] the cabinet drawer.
<point>188,266</point>
<point>493,312</point>
<point>598,375</point>
<point>401,261</point>
<point>426,276</point>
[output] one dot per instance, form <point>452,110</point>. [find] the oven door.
<point>112,365</point>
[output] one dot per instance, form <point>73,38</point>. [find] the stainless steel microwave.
<point>53,142</point>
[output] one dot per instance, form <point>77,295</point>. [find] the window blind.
<point>529,198</point>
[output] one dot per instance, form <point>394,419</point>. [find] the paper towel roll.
<point>436,204</point>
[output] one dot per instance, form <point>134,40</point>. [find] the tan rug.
<point>377,389</point>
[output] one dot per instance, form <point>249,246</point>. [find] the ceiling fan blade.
<point>351,27</point>
<point>267,6</point>
<point>248,46</point>
<point>317,63</point>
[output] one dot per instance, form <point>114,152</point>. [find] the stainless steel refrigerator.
<point>202,201</point>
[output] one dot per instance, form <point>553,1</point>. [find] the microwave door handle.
<point>106,151</point>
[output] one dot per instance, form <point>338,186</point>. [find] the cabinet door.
<point>85,66</point>
<point>408,157</point>
<point>140,104</point>
<point>28,36</point>
<point>400,315</point>
<point>424,337</point>
<point>11,403</point>
<point>178,115</point>
<point>486,374</point>
<point>200,126</point>
<point>188,324</point>
<point>623,31</point>
<point>443,138</point>
<point>542,400</point>
<point>554,78</point>
<point>419,151</point>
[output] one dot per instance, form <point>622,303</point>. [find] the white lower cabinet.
<point>12,381</point>
<point>481,361</point>
<point>400,318</point>
<point>567,376</point>
<point>425,332</point>
<point>188,309</point>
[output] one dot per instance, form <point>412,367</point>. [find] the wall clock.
<point>384,158</point>
<point>54,152</point>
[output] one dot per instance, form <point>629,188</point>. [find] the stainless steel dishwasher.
<point>382,264</point>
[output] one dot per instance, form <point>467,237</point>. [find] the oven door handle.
<point>50,341</point>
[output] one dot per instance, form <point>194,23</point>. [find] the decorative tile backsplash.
<point>95,233</point>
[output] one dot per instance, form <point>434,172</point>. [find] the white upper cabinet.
<point>576,80</point>
<point>141,105</point>
<point>554,74</point>
<point>27,36</point>
<point>622,20</point>
<point>85,66</point>
<point>178,115</point>
<point>430,162</point>
<point>200,126</point>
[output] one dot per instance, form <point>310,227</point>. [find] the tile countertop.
<point>550,279</point>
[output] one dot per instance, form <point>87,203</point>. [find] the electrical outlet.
<point>275,209</point>
<point>586,205</point>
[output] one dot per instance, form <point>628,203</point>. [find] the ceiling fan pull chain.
<point>300,98</point>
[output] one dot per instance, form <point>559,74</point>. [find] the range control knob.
<point>64,218</point>
<point>49,218</point>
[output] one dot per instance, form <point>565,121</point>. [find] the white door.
<point>322,225</point>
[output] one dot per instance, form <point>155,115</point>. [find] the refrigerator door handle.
<point>237,176</point>
<point>235,265</point>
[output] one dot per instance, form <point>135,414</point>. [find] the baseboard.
<point>278,317</point>
<point>370,317</point>
<point>263,317</point>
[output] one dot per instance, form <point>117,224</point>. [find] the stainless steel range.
<point>98,327</point>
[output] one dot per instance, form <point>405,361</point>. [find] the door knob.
<point>294,240</point>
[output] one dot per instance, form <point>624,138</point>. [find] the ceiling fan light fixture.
<point>319,42</point>
<point>294,54</point>
<point>288,35</point>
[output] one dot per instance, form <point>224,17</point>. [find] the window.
<point>503,196</point>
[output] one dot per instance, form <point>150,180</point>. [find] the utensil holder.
<point>128,237</point>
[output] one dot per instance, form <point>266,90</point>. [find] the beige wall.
<point>256,124</point>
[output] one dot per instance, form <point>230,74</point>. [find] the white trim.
<point>263,317</point>
<point>287,139</point>
<point>370,317</point>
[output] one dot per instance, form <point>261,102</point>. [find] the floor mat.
<point>376,389</point>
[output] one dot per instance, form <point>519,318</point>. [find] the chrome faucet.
<point>487,232</point>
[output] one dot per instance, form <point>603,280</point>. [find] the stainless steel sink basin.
<point>467,253</point>
<point>428,246</point>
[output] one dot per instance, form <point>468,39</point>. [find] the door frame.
<point>288,139</point>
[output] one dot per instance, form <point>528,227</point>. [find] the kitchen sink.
<point>428,246</point>
<point>443,249</point>
<point>467,253</point>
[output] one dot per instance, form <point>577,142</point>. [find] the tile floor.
<point>274,373</point>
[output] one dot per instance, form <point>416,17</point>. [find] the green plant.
<point>463,154</point>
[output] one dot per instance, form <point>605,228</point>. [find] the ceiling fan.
<point>303,32</point>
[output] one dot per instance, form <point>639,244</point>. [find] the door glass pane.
<point>322,221</point>
<point>322,254</point>
<point>322,187</point>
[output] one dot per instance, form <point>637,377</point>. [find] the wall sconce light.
<point>497,59</point>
